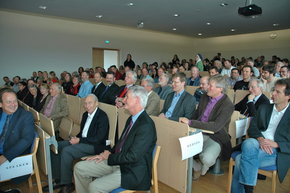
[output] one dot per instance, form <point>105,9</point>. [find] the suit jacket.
<point>153,104</point>
<point>282,135</point>
<point>250,107</point>
<point>110,96</point>
<point>218,122</point>
<point>59,109</point>
<point>100,89</point>
<point>164,92</point>
<point>20,134</point>
<point>98,131</point>
<point>184,107</point>
<point>135,159</point>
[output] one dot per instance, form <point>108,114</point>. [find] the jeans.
<point>248,163</point>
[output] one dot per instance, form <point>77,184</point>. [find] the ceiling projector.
<point>250,10</point>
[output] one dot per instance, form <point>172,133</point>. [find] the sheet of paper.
<point>191,145</point>
<point>241,127</point>
<point>19,166</point>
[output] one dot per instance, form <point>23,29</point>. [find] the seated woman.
<point>74,89</point>
<point>23,91</point>
<point>250,103</point>
<point>67,84</point>
<point>44,90</point>
<point>35,96</point>
<point>53,77</point>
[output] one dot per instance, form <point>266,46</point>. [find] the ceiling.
<point>206,17</point>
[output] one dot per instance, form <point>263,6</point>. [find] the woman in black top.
<point>129,62</point>
<point>44,90</point>
<point>67,84</point>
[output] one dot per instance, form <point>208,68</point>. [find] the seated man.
<point>213,113</point>
<point>234,77</point>
<point>55,106</point>
<point>268,143</point>
<point>164,89</point>
<point>285,72</point>
<point>178,103</point>
<point>213,70</point>
<point>91,140</point>
<point>130,80</point>
<point>268,77</point>
<point>86,86</point>
<point>129,163</point>
<point>111,91</point>
<point>202,88</point>
<point>247,73</point>
<point>99,86</point>
<point>153,103</point>
<point>250,103</point>
<point>16,128</point>
<point>193,80</point>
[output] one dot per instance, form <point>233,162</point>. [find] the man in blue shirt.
<point>86,86</point>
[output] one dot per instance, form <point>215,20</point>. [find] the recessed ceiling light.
<point>224,4</point>
<point>131,4</point>
<point>208,23</point>
<point>276,24</point>
<point>176,15</point>
<point>233,30</point>
<point>42,7</point>
<point>99,16</point>
<point>174,29</point>
<point>200,34</point>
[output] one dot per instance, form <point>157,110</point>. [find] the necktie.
<point>123,138</point>
<point>4,131</point>
<point>106,89</point>
<point>123,92</point>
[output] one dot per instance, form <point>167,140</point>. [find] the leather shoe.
<point>54,185</point>
<point>69,188</point>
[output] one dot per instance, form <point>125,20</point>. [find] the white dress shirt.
<point>88,123</point>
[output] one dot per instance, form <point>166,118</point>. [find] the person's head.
<point>8,101</point>
<point>147,83</point>
<point>281,93</point>
<point>91,103</point>
<point>256,86</point>
<point>97,77</point>
<point>76,79</point>
<point>67,77</point>
<point>227,64</point>
<point>213,70</point>
<point>34,74</point>
<point>33,90</point>
<point>52,74</point>
<point>235,73</point>
<point>178,82</point>
<point>194,72</point>
<point>136,99</point>
<point>6,79</point>
<point>163,79</point>
<point>81,69</point>
<point>113,68</point>
<point>247,73</point>
<point>160,71</point>
<point>285,61</point>
<point>174,69</point>
<point>144,72</point>
<point>44,89</point>
<point>218,64</point>
<point>268,72</point>
<point>130,78</point>
<point>145,65</point>
<point>284,72</point>
<point>45,74</point>
<point>16,79</point>
<point>85,75</point>
<point>22,85</point>
<point>203,83</point>
<point>129,57</point>
<point>55,89</point>
<point>217,86</point>
<point>181,69</point>
<point>250,63</point>
<point>39,74</point>
<point>30,82</point>
<point>110,78</point>
<point>278,66</point>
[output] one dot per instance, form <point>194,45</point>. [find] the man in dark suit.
<point>213,113</point>
<point>91,140</point>
<point>268,143</point>
<point>99,86</point>
<point>129,163</point>
<point>111,91</point>
<point>16,127</point>
<point>250,103</point>
<point>178,103</point>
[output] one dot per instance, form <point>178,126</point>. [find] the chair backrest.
<point>74,107</point>
<point>35,115</point>
<point>46,124</point>
<point>65,128</point>
<point>187,74</point>
<point>191,89</point>
<point>123,115</point>
<point>120,82</point>
<point>154,180</point>
<point>231,94</point>
<point>161,104</point>
<point>112,113</point>
<point>232,127</point>
<point>239,95</point>
<point>203,73</point>
<point>25,106</point>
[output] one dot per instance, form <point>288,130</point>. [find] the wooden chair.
<point>203,73</point>
<point>120,82</point>
<point>161,104</point>
<point>191,89</point>
<point>154,180</point>
<point>239,95</point>
<point>270,171</point>
<point>65,128</point>
<point>35,115</point>
<point>74,107</point>
<point>25,106</point>
<point>231,94</point>
<point>35,168</point>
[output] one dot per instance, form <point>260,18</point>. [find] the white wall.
<point>30,43</point>
<point>110,58</point>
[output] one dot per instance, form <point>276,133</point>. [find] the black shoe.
<point>55,185</point>
<point>13,191</point>
<point>261,177</point>
<point>69,188</point>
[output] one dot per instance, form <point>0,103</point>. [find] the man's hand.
<point>267,145</point>
<point>184,120</point>
<point>2,159</point>
<point>74,140</point>
<point>162,115</point>
<point>251,97</point>
<point>119,102</point>
<point>98,158</point>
